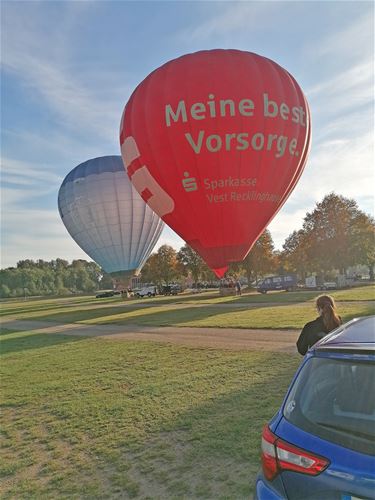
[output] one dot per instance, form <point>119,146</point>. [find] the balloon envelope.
<point>215,142</point>
<point>106,216</point>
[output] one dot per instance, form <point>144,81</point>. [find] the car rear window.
<point>334,399</point>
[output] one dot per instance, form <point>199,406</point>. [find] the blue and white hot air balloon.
<point>107,217</point>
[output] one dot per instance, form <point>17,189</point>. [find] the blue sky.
<point>68,69</point>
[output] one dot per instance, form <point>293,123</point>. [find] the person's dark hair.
<point>327,306</point>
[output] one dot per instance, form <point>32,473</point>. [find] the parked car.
<point>328,285</point>
<point>147,291</point>
<point>171,289</point>
<point>102,295</point>
<point>321,443</point>
<point>287,283</point>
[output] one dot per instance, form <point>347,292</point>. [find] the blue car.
<point>321,443</point>
<point>273,283</point>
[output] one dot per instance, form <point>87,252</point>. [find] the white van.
<point>147,291</point>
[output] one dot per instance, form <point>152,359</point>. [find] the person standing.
<point>327,321</point>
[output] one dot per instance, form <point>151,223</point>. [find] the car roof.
<point>356,335</point>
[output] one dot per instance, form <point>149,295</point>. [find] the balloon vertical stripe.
<point>106,216</point>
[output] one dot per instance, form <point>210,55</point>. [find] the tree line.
<point>335,236</point>
<point>55,277</point>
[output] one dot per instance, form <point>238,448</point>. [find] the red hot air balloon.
<point>215,142</point>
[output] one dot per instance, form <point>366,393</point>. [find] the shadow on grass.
<point>34,341</point>
<point>213,450</point>
<point>245,298</point>
<point>147,316</point>
<point>36,305</point>
<point>29,309</point>
<point>76,315</point>
<point>8,331</point>
<point>59,305</point>
<point>189,428</point>
<point>213,297</point>
<point>225,425</point>
<point>280,314</point>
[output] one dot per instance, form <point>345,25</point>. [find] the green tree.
<point>150,271</point>
<point>329,231</point>
<point>4,291</point>
<point>161,267</point>
<point>192,262</point>
<point>94,272</point>
<point>261,259</point>
<point>294,256</point>
<point>105,281</point>
<point>53,277</point>
<point>22,264</point>
<point>167,262</point>
<point>362,240</point>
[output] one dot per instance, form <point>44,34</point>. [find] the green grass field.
<point>93,418</point>
<point>271,311</point>
<point>103,419</point>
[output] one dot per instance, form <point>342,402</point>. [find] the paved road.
<point>228,338</point>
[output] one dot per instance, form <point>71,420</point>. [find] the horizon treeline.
<point>335,236</point>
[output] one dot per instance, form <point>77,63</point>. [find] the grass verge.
<point>87,418</point>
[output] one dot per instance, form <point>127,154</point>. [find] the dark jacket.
<point>311,333</point>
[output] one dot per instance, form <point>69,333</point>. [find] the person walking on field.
<point>327,321</point>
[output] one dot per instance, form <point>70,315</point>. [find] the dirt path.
<point>228,338</point>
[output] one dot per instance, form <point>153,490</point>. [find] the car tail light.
<point>278,455</point>
<point>269,461</point>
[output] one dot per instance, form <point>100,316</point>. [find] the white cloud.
<point>27,173</point>
<point>228,17</point>
<point>357,80</point>
<point>37,234</point>
<point>79,105</point>
<point>169,237</point>
<point>82,100</point>
<point>355,40</point>
<point>23,183</point>
<point>57,151</point>
<point>40,234</point>
<point>349,93</point>
<point>343,166</point>
<point>285,223</point>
